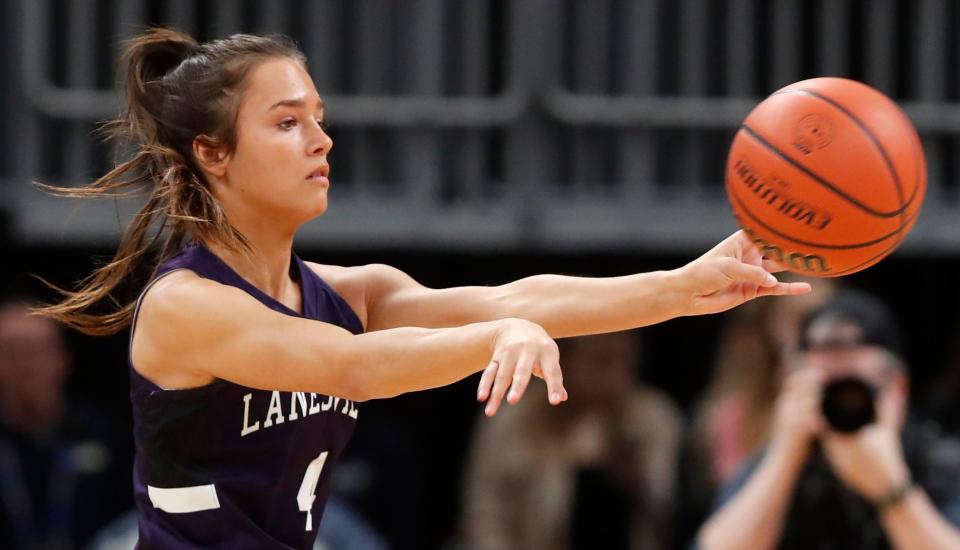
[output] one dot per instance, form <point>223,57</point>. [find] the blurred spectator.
<point>824,483</point>
<point>733,419</point>
<point>57,470</point>
<point>598,472</point>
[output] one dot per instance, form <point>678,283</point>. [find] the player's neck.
<point>267,266</point>
<point>270,234</point>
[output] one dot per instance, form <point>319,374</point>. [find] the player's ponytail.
<point>177,91</point>
<point>146,60</point>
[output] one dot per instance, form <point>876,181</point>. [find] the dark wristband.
<point>893,496</point>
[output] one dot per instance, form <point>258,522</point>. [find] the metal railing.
<point>492,124</point>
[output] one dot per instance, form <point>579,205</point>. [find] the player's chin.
<point>318,210</point>
<point>305,210</point>
<point>317,204</point>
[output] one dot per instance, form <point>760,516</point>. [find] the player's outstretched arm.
<point>192,330</point>
<point>731,273</point>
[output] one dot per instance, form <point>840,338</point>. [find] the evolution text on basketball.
<point>773,192</point>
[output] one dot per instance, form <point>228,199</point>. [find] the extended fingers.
<point>502,379</point>
<point>486,380</point>
<point>548,368</point>
<point>521,377</point>
<point>553,375</point>
<point>512,369</point>
<point>784,289</point>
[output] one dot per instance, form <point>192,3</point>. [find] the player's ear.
<point>211,156</point>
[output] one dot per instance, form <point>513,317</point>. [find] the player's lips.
<point>320,175</point>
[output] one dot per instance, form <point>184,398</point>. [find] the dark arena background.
<point>479,141</point>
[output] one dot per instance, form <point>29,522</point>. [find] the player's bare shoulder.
<point>176,297</point>
<point>348,282</point>
<point>360,285</point>
<point>174,315</point>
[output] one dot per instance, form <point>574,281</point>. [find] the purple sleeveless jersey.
<point>226,466</point>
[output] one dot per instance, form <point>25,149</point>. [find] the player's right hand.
<point>520,349</point>
<point>731,273</point>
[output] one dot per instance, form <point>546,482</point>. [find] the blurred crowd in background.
<point>478,142</point>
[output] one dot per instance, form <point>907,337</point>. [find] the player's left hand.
<point>521,349</point>
<point>731,273</point>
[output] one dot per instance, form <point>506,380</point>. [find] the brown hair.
<point>177,91</point>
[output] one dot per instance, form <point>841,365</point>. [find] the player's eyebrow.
<point>297,102</point>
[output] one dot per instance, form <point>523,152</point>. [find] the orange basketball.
<point>827,176</point>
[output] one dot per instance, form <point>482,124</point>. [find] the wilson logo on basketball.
<point>800,262</point>
<point>812,132</point>
<point>772,191</point>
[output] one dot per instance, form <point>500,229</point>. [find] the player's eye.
<point>287,124</point>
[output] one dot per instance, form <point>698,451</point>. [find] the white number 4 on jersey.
<point>308,489</point>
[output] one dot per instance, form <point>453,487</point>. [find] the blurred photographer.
<point>844,467</point>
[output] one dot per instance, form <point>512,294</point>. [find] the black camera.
<point>848,404</point>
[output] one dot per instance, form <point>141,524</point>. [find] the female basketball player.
<point>246,362</point>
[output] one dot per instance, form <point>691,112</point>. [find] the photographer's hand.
<point>797,419</point>
<point>870,461</point>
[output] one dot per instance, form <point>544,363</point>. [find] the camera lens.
<point>848,404</point>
